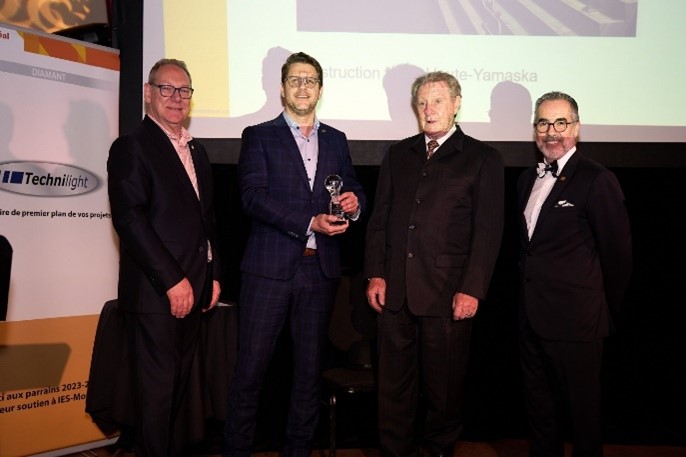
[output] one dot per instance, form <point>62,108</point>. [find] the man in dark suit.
<point>575,266</point>
<point>160,191</point>
<point>432,242</point>
<point>291,263</point>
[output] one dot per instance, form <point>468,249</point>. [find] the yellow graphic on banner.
<point>190,35</point>
<point>44,366</point>
<point>69,51</point>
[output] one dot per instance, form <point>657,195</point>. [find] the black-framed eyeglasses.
<point>297,81</point>
<point>559,125</point>
<point>168,91</point>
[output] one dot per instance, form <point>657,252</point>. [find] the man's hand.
<point>329,225</point>
<point>216,290</point>
<point>464,306</point>
<point>349,203</point>
<point>376,294</point>
<point>181,298</point>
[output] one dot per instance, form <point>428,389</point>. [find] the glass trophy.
<point>333,184</point>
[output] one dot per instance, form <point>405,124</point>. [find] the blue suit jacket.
<point>276,196</point>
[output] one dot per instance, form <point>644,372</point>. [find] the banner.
<point>59,115</point>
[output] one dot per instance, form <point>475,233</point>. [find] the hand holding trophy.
<point>333,184</point>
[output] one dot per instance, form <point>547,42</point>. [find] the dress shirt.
<point>540,191</point>
<point>309,152</point>
<point>180,144</point>
<point>440,140</point>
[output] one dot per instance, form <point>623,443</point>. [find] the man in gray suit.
<point>432,242</point>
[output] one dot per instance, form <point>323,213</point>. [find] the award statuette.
<point>333,184</point>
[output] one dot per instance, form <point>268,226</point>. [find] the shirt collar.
<point>564,159</point>
<point>296,128</point>
<point>442,139</point>
<point>184,138</point>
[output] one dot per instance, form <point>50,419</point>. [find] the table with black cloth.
<point>109,399</point>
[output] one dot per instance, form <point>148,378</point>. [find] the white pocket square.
<point>563,204</point>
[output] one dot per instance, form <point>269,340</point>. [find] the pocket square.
<point>563,204</point>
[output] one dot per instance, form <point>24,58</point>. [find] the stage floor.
<point>499,448</point>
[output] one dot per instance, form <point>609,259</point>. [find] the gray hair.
<point>436,77</point>
<point>162,62</point>
<point>556,95</point>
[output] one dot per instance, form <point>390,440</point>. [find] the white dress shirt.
<point>540,191</point>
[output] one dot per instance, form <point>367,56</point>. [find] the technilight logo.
<point>46,179</point>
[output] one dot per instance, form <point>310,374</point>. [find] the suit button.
<point>424,174</point>
<point>412,227</point>
<point>410,255</point>
<point>418,200</point>
<point>528,252</point>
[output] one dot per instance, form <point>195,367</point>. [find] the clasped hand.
<point>332,225</point>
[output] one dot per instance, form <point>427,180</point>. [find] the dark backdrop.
<point>645,364</point>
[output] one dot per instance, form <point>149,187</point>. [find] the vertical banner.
<point>58,112</point>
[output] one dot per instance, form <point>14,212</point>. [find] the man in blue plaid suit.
<point>291,265</point>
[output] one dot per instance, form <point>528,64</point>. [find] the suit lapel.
<point>419,147</point>
<point>202,183</point>
<point>167,151</point>
<point>323,159</point>
<point>285,136</point>
<point>451,146</point>
<point>561,183</point>
<point>524,196</point>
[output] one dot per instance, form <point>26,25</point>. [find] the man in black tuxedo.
<point>160,191</point>
<point>432,242</point>
<point>575,266</point>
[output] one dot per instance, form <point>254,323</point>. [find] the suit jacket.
<point>577,265</point>
<point>163,227</point>
<point>276,195</point>
<point>437,224</point>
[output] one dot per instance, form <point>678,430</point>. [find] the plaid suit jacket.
<point>276,195</point>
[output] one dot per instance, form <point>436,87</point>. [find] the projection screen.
<point>621,59</point>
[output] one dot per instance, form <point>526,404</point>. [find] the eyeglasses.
<point>297,81</point>
<point>168,91</point>
<point>560,125</point>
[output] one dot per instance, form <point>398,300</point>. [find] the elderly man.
<point>432,242</point>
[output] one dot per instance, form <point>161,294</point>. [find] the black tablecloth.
<point>109,399</point>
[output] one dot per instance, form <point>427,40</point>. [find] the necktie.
<point>431,147</point>
<point>543,168</point>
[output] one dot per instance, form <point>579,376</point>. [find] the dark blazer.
<point>576,267</point>
<point>162,225</point>
<point>437,224</point>
<point>277,198</point>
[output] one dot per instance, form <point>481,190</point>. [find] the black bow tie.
<point>543,168</point>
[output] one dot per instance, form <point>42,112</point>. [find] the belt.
<point>309,252</point>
